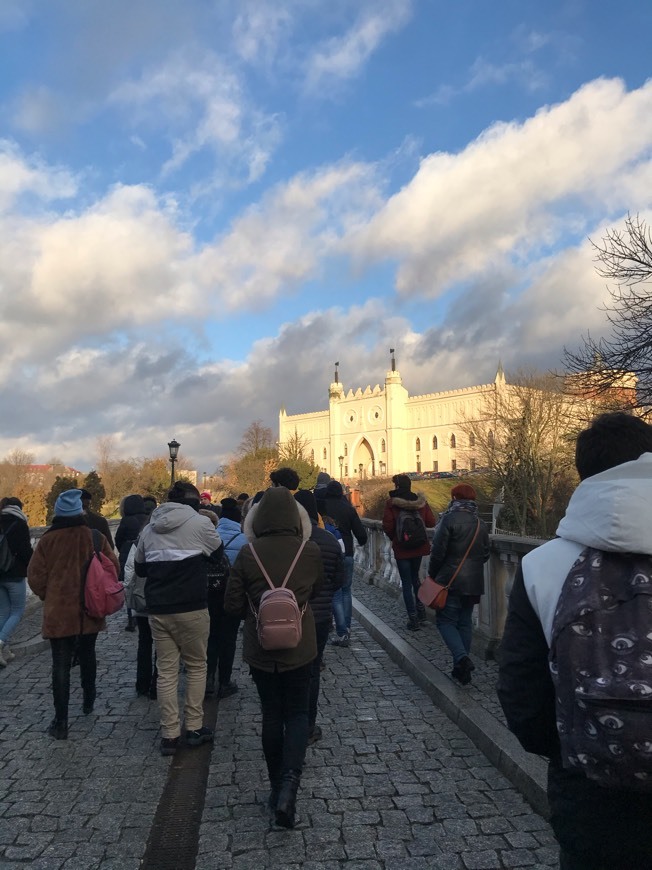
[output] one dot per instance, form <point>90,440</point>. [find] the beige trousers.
<point>180,637</point>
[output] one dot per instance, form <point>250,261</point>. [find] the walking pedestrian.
<point>56,575</point>
<point>282,676</point>
<point>460,547</point>
<point>402,507</point>
<point>13,587</point>
<point>133,517</point>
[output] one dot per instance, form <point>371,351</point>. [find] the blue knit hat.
<point>69,504</point>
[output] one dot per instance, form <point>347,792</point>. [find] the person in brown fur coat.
<point>54,574</point>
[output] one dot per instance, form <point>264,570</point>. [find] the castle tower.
<point>396,416</point>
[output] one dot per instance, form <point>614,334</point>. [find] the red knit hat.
<point>463,491</point>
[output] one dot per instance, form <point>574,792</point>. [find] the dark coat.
<point>278,532</point>
<point>54,575</point>
<point>14,524</point>
<point>453,534</point>
<point>134,517</point>
<point>406,500</point>
<point>346,518</point>
<point>331,554</point>
<point>97,521</point>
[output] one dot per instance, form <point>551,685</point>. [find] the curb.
<point>528,773</point>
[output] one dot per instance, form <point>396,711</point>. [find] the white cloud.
<point>260,27</point>
<point>517,189</point>
<point>341,57</point>
<point>20,176</point>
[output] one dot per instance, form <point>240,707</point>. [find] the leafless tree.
<point>256,437</point>
<point>617,369</point>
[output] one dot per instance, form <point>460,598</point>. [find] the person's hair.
<point>184,493</point>
<point>610,440</point>
<point>402,481</point>
<point>86,495</point>
<point>286,477</point>
<point>11,500</point>
<point>464,492</point>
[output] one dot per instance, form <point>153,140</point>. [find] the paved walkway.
<point>393,784</point>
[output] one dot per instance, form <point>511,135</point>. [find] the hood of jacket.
<point>277,518</point>
<point>611,510</point>
<point>170,516</point>
<point>412,502</point>
<point>132,505</point>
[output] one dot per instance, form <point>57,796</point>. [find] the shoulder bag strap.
<point>459,567</point>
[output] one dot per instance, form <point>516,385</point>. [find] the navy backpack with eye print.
<point>601,666</point>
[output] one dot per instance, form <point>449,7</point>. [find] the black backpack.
<point>410,530</point>
<point>601,666</point>
<point>7,558</point>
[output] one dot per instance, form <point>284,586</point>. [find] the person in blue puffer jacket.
<point>224,626</point>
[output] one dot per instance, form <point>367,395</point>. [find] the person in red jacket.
<point>401,502</point>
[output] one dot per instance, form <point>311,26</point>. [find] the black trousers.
<point>322,630</point>
<point>63,650</point>
<point>222,639</point>
<point>284,702</point>
<point>145,667</point>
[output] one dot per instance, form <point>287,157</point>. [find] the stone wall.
<point>375,564</point>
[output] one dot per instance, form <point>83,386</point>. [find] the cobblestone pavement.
<point>393,783</point>
<point>428,642</point>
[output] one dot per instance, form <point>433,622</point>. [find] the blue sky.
<point>204,204</point>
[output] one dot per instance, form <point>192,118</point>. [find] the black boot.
<point>89,702</point>
<point>58,728</point>
<point>131,621</point>
<point>287,799</point>
<point>272,800</point>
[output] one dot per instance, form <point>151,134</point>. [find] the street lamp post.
<point>340,459</point>
<point>173,447</point>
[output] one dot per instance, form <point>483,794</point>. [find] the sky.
<point>205,203</point>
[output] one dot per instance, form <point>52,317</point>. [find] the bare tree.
<point>617,369</point>
<point>256,437</point>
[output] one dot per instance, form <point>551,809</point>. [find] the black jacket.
<point>453,534</point>
<point>97,521</point>
<point>134,517</point>
<point>347,520</point>
<point>14,524</point>
<point>331,556</point>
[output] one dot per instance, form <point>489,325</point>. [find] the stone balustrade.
<point>375,564</point>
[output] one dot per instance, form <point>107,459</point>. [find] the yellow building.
<point>383,431</point>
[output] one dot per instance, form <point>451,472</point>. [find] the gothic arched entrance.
<point>364,463</point>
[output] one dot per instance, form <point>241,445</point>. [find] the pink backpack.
<point>103,592</point>
<point>279,617</point>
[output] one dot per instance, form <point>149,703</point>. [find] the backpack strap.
<point>290,569</point>
<point>97,544</point>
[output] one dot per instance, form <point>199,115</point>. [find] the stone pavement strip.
<point>393,784</point>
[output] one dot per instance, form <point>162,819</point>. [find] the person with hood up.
<point>460,543</point>
<point>171,555</point>
<point>322,602</point>
<point>13,588</point>
<point>323,479</point>
<point>134,516</point>
<point>350,525</point>
<point>598,827</point>
<point>55,575</point>
<point>224,626</point>
<point>408,560</point>
<point>277,527</point>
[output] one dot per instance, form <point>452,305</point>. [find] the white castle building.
<point>384,431</point>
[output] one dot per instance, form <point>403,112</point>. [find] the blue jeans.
<point>343,600</point>
<point>13,595</point>
<point>284,703</point>
<point>455,624</point>
<point>408,571</point>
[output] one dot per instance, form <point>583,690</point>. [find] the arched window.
<point>324,454</point>
<point>453,442</point>
<point>382,445</point>
<point>471,439</point>
<point>434,442</point>
<point>346,450</point>
<point>417,445</point>
<point>490,438</point>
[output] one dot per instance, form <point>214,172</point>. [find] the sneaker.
<point>227,690</point>
<point>340,640</point>
<point>413,623</point>
<point>7,653</point>
<point>315,735</point>
<point>199,736</point>
<point>461,672</point>
<point>421,614</point>
<point>169,745</point>
<point>89,704</point>
<point>4,661</point>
